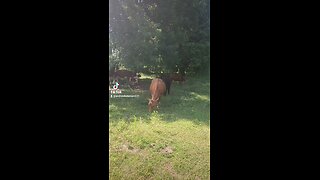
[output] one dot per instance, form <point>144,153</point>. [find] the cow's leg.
<point>137,78</point>
<point>158,103</point>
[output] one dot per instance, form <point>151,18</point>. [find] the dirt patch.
<point>130,149</point>
<point>167,150</point>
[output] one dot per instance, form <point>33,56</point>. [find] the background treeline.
<point>156,36</point>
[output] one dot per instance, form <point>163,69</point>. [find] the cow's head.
<point>152,103</point>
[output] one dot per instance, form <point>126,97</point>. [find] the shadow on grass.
<point>191,107</point>
<point>189,102</point>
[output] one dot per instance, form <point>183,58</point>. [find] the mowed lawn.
<point>171,143</point>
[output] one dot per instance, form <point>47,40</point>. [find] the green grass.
<point>170,143</point>
<point>146,76</point>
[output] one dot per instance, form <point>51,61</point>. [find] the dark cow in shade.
<point>167,80</point>
<point>157,89</point>
<point>169,77</point>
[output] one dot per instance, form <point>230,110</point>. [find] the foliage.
<point>154,36</point>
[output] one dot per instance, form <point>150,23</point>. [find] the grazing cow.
<point>136,78</point>
<point>177,77</point>
<point>167,80</point>
<point>126,74</point>
<point>157,89</point>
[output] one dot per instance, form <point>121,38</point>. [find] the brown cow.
<point>177,77</point>
<point>126,74</point>
<point>157,89</point>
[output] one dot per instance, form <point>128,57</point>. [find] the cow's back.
<point>157,87</point>
<point>124,73</point>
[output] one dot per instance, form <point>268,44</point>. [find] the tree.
<point>160,36</point>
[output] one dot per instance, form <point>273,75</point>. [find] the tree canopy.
<point>154,36</point>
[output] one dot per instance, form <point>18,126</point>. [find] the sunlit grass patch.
<point>146,76</point>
